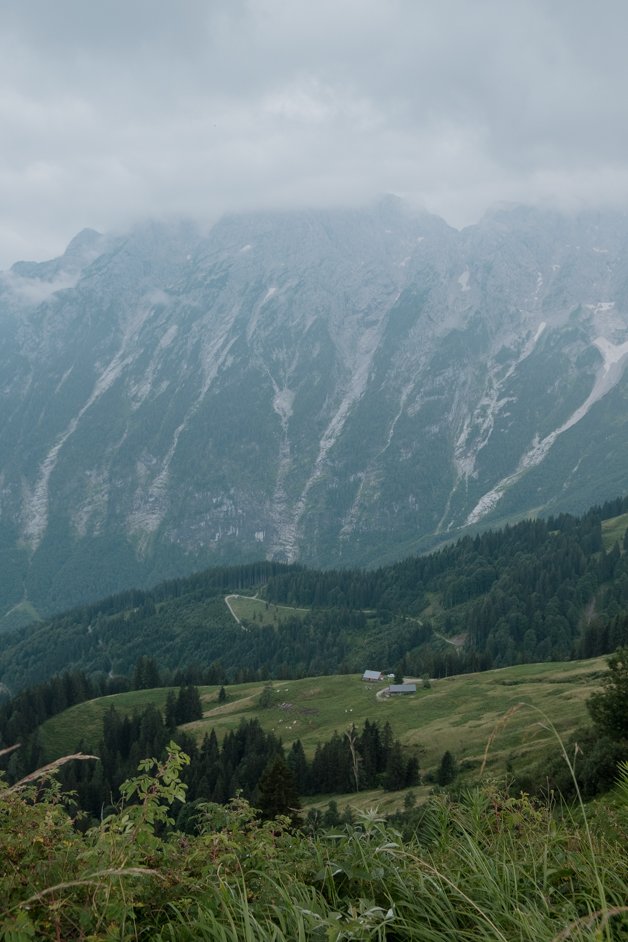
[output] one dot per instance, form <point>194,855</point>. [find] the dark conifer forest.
<point>536,591</point>
<point>539,590</point>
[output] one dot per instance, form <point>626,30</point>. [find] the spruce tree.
<point>298,765</point>
<point>395,774</point>
<point>277,791</point>
<point>412,772</point>
<point>146,674</point>
<point>188,705</point>
<point>609,707</point>
<point>447,769</point>
<point>331,817</point>
<point>266,697</point>
<point>170,713</point>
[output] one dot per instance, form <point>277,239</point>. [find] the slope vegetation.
<point>508,707</point>
<point>541,590</point>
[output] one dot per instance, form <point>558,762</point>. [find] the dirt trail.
<point>230,607</point>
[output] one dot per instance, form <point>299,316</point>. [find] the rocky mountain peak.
<point>331,386</point>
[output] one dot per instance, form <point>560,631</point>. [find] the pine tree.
<point>331,817</point>
<point>412,772</point>
<point>189,705</point>
<point>298,765</point>
<point>447,769</point>
<point>277,791</point>
<point>372,753</point>
<point>409,801</point>
<point>609,708</point>
<point>146,674</point>
<point>266,697</point>
<point>170,713</point>
<point>395,774</point>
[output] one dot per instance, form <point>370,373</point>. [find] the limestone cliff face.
<point>333,387</point>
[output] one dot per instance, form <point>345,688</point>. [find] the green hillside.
<point>461,713</point>
<point>614,530</point>
<point>22,614</point>
<point>261,611</point>
<point>540,590</point>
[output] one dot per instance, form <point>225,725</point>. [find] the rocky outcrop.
<point>332,387</point>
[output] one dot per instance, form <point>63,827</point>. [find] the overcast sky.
<point>122,109</point>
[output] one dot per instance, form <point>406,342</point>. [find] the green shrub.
<point>485,866</point>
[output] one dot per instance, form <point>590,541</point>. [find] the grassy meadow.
<point>613,530</point>
<point>251,609</point>
<point>498,712</point>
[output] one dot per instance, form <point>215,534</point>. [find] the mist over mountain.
<point>334,387</point>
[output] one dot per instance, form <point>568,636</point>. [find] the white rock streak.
<point>538,333</point>
<point>615,358</point>
<point>282,405</point>
<point>151,503</point>
<point>482,421</point>
<point>367,344</point>
<point>370,476</point>
<point>35,510</point>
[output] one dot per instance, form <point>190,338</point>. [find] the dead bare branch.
<point>46,770</point>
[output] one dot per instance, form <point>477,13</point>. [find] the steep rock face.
<point>333,387</point>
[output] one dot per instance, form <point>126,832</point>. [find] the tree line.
<point>21,716</point>
<point>250,762</point>
<point>540,590</point>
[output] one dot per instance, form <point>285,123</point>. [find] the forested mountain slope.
<point>539,590</point>
<point>330,387</point>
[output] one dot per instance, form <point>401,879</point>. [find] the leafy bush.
<point>484,867</point>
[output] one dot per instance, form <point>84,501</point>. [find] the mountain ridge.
<point>320,386</point>
<point>542,590</point>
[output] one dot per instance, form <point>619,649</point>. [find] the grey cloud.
<point>120,110</point>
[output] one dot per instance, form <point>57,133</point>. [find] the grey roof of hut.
<point>401,688</point>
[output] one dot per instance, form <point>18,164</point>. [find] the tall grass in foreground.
<point>485,866</point>
<point>488,867</point>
